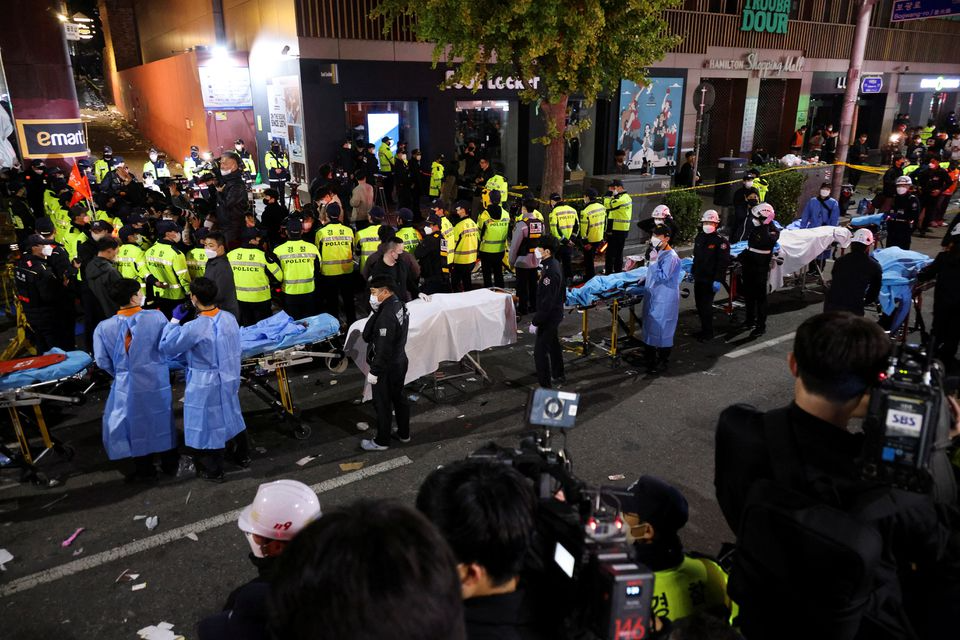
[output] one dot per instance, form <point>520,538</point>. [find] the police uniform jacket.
<point>386,336</point>
<point>428,255</point>
<point>37,286</point>
<point>711,255</point>
<point>551,294</point>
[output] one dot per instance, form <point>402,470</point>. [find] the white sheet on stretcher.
<point>799,247</point>
<point>445,329</point>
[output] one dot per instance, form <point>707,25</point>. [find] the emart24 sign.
<point>53,138</point>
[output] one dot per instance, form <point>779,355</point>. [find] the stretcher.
<point>614,293</point>
<point>446,328</point>
<point>900,293</point>
<point>271,347</point>
<point>25,388</point>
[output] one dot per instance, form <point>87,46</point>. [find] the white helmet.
<point>863,236</point>
<point>710,215</point>
<point>764,211</point>
<point>280,510</point>
<point>904,180</point>
<point>661,211</point>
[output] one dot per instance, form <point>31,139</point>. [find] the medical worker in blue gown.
<point>138,418</point>
<point>211,404</point>
<point>661,301</point>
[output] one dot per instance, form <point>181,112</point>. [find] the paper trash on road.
<point>162,631</point>
<point>152,522</point>
<point>135,518</point>
<point>351,466</point>
<point>5,557</point>
<point>138,587</point>
<point>305,460</point>
<point>617,476</point>
<point>363,426</point>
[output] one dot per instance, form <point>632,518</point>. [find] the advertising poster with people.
<point>649,125</point>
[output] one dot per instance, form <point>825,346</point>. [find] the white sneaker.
<point>371,445</point>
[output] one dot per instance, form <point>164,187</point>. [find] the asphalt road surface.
<point>628,424</point>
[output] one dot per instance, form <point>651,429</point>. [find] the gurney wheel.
<point>337,365</point>
<point>66,451</point>
<point>302,431</point>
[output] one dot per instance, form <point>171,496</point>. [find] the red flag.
<point>80,185</point>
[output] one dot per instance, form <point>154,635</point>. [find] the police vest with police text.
<point>250,268</point>
<point>494,232</point>
<point>466,241</point>
<point>367,241</point>
<point>563,219</point>
<point>593,220</point>
<point>298,260</point>
<point>619,211</point>
<point>335,242</point>
<point>411,238</point>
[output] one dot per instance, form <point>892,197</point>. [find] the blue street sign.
<point>872,84</point>
<point>920,9</point>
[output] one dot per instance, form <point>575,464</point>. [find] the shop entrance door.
<point>492,126</point>
<point>776,115</point>
<point>723,123</point>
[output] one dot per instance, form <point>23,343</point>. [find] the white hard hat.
<point>280,510</point>
<point>904,180</point>
<point>765,211</point>
<point>863,236</point>
<point>661,211</point>
<point>710,215</point>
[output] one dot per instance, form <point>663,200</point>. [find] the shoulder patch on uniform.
<point>383,332</point>
<point>546,280</point>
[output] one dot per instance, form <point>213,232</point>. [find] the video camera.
<point>903,420</point>
<point>581,562</point>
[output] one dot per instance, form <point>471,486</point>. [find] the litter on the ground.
<point>69,541</point>
<point>135,518</point>
<point>462,415</point>
<point>471,379</point>
<point>152,522</point>
<point>305,460</point>
<point>162,631</point>
<point>138,587</point>
<point>363,426</point>
<point>333,382</point>
<point>351,466</point>
<point>630,372</point>
<point>192,536</point>
<point>126,576</point>
<point>5,557</point>
<point>617,476</point>
<point>189,493</point>
<point>78,551</point>
<point>261,449</point>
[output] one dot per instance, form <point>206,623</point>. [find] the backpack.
<point>807,568</point>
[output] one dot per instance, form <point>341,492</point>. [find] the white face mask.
<point>177,237</point>
<point>538,254</point>
<point>254,547</point>
<point>655,242</point>
<point>47,250</point>
<point>210,253</point>
<point>238,147</point>
<point>709,228</point>
<point>756,222</point>
<point>208,224</point>
<point>748,183</point>
<point>374,302</point>
<point>902,190</point>
<point>97,236</point>
<point>428,231</point>
<point>824,193</point>
<point>153,157</point>
<point>226,172</point>
<point>141,300</point>
<point>135,239</point>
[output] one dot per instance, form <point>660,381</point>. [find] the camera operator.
<point>485,511</point>
<point>803,459</point>
<point>946,298</point>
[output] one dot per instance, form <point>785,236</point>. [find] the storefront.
<point>926,97</point>
<point>649,121</point>
<point>827,90</point>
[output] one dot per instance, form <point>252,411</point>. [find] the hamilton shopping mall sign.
<point>765,16</point>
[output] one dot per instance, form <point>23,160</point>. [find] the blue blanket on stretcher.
<point>863,221</point>
<point>900,268</point>
<point>76,362</point>
<point>600,287</point>
<point>280,331</point>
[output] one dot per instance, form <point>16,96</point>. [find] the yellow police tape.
<point>806,167</point>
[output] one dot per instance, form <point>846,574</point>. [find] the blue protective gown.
<point>138,418</point>
<point>211,404</point>
<point>661,300</point>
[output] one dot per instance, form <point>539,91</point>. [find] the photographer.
<point>485,511</point>
<point>801,460</point>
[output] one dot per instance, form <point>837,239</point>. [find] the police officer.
<point>410,236</point>
<point>619,207</point>
<point>386,336</point>
<point>593,222</point>
<point>494,226</point>
<point>855,278</point>
<point>252,271</point>
<point>432,257</point>
<point>551,294</point>
<point>277,166</point>
<point>79,230</point>
<point>131,262</point>
<point>745,198</point>
<point>155,165</point>
<point>564,225</point>
<point>436,176</point>
<point>335,242</point>
<point>386,160</point>
<point>497,182</point>
<point>762,236</point>
<point>168,268</point>
<point>196,256</point>
<point>367,239</point>
<point>192,163</point>
<point>711,255</point>
<point>102,166</point>
<point>903,216</point>
<point>59,262</point>
<point>300,263</point>
<point>39,290</point>
<point>527,235</point>
<point>463,248</point>
<point>248,164</point>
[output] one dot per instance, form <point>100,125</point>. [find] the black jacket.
<point>551,294</point>
<point>428,255</point>
<point>245,615</point>
<point>855,282</point>
<point>946,269</point>
<point>685,176</point>
<point>232,203</point>
<point>763,237</point>
<point>386,336</point>
<point>498,617</point>
<point>272,220</point>
<point>890,181</point>
<point>399,272</point>
<point>38,288</point>
<point>221,273</point>
<point>100,274</point>
<point>711,255</point>
<point>932,182</point>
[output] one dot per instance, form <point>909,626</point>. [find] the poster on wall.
<point>225,88</point>
<point>649,125</point>
<point>286,119</point>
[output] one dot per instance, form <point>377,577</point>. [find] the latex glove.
<point>653,255</point>
<point>372,379</point>
<point>532,329</point>
<point>180,311</point>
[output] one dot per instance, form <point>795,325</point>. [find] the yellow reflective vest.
<point>196,262</point>
<point>167,264</point>
<point>72,239</point>
<point>132,263</point>
<point>189,167</point>
<point>158,172</point>
<point>520,216</point>
<point>696,584</point>
<point>498,183</point>
<point>366,242</point>
<point>298,260</point>
<point>272,161</point>
<point>493,232</point>
<point>619,211</point>
<point>100,169</point>
<point>563,221</point>
<point>593,222</point>
<point>411,238</point>
<point>436,178</point>
<point>464,242</point>
<point>335,242</point>
<point>250,269</point>
<point>385,158</point>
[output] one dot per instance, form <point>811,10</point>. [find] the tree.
<point>576,47</point>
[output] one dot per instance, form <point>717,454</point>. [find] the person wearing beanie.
<point>410,236</point>
<point>335,242</point>
<point>300,263</point>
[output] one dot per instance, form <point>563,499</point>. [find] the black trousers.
<point>145,467</point>
<point>946,332</point>
<point>92,316</point>
<point>703,295</point>
<point>589,270</point>
<point>388,399</point>
<point>547,354</point>
<point>854,177</point>
<point>438,284</point>
<point>301,305</point>
<point>460,277</point>
<point>656,355</point>
<point>253,312</point>
<point>43,326</point>
<point>491,264</point>
<point>210,461</point>
<point>756,273</point>
<point>526,290</point>
<point>337,290</point>
<point>388,188</point>
<point>281,187</point>
<point>899,234</point>
<point>615,243</point>
<point>166,306</point>
<point>565,255</point>
<point>930,210</point>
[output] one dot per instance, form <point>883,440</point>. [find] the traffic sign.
<point>871,84</point>
<point>920,9</point>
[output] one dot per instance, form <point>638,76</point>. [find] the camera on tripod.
<point>581,562</point>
